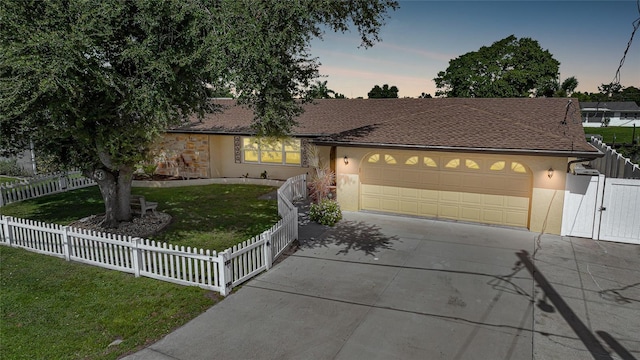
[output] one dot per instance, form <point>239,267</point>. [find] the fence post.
<point>2,191</point>
<point>62,182</point>
<point>7,230</point>
<point>226,281</point>
<point>135,255</point>
<point>305,190</point>
<point>295,223</point>
<point>268,254</point>
<point>66,244</point>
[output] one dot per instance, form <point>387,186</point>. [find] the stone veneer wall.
<point>185,155</point>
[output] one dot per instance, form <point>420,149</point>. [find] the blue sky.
<point>588,38</point>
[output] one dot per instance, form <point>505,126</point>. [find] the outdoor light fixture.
<point>550,172</point>
<point>346,160</point>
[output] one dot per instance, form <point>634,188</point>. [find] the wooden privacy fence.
<point>217,271</point>
<point>612,164</point>
<point>42,185</point>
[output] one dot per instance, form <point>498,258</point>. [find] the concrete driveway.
<point>389,287</point>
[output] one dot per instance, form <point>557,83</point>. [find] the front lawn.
<point>7,179</point>
<point>213,217</point>
<point>53,309</point>
<point>622,135</point>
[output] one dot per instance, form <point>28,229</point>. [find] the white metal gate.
<point>602,208</point>
<point>580,210</point>
<point>620,211</point>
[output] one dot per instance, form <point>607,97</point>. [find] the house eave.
<point>587,155</point>
<point>234,133</point>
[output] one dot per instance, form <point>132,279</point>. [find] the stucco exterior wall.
<point>547,194</point>
<point>223,161</point>
<point>214,156</point>
<point>547,198</point>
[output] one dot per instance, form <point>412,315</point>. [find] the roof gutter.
<point>585,155</point>
<point>235,133</point>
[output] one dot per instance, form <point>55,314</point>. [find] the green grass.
<point>622,134</point>
<point>61,208</point>
<point>7,179</point>
<point>53,309</point>
<point>213,217</point>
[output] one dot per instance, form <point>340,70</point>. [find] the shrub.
<point>322,179</point>
<point>326,212</point>
<point>146,170</point>
<point>630,151</point>
<point>47,164</point>
<point>11,167</point>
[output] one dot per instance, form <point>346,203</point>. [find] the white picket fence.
<point>42,185</point>
<point>217,271</point>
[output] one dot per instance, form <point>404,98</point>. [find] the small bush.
<point>10,167</point>
<point>146,170</point>
<point>326,212</point>
<point>48,164</point>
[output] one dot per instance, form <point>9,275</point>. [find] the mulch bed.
<point>138,227</point>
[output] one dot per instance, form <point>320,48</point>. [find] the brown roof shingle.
<point>548,125</point>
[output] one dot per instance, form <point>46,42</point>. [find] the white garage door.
<point>489,190</point>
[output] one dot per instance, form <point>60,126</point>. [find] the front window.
<point>271,151</point>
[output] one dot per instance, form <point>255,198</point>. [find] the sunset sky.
<point>588,38</point>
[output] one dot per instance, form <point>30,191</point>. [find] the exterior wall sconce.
<point>550,173</point>
<point>346,160</point>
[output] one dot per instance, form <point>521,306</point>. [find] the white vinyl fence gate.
<point>602,208</point>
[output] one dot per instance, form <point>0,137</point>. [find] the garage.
<point>456,186</point>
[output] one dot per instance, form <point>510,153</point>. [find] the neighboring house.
<point>493,161</point>
<point>615,113</point>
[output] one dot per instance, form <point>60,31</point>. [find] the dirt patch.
<point>273,195</point>
<point>290,250</point>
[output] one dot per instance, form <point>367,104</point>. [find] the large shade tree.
<point>384,92</point>
<point>94,83</point>
<point>510,67</point>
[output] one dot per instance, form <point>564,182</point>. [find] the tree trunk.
<point>115,187</point>
<point>125,177</point>
<point>107,184</point>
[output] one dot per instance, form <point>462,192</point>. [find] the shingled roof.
<point>519,125</point>
<point>610,106</point>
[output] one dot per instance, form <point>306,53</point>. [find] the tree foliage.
<point>569,85</point>
<point>609,92</point>
<point>319,90</point>
<point>384,92</point>
<point>510,67</point>
<point>565,89</point>
<point>93,83</point>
